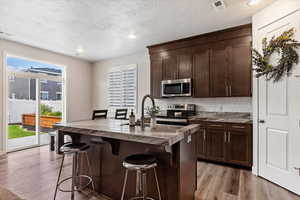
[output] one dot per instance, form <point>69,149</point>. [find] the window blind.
<point>122,88</point>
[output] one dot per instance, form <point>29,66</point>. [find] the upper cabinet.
<point>219,70</point>
<point>239,81</point>
<point>219,63</point>
<point>178,65</point>
<point>201,72</point>
<point>156,77</point>
<point>169,67</point>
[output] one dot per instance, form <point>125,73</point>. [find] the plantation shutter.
<point>122,87</point>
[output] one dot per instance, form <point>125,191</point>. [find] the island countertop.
<point>116,129</point>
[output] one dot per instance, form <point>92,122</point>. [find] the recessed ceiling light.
<point>79,50</point>
<point>132,36</point>
<point>253,2</point>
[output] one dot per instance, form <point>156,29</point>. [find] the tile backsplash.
<point>232,104</point>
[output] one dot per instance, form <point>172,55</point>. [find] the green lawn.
<point>16,131</point>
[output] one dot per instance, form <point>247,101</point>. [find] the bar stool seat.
<point>140,159</point>
<point>75,149</point>
<point>140,163</point>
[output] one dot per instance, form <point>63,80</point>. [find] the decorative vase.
<point>153,122</point>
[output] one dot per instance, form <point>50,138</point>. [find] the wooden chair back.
<point>99,114</point>
<point>121,114</point>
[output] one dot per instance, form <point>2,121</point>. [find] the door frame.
<point>5,88</point>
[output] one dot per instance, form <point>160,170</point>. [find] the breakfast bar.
<point>173,147</point>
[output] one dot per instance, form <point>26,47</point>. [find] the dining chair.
<point>121,114</point>
<point>97,114</point>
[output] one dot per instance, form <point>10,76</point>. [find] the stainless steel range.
<point>177,114</point>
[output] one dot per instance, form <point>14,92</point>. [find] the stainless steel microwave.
<point>176,88</point>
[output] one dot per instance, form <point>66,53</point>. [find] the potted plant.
<point>152,112</point>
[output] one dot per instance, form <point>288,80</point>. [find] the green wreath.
<point>284,45</point>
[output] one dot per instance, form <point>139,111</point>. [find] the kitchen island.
<point>173,146</point>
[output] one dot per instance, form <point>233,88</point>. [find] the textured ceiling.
<point>101,27</point>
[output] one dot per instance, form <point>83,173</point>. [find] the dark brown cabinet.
<point>169,65</point>
<point>240,69</point>
<point>226,143</point>
<point>201,73</point>
<point>200,147</point>
<point>178,66</point>
<point>214,144</point>
<point>239,145</point>
<point>219,70</point>
<point>184,66</point>
<point>156,78</point>
<point>219,63</point>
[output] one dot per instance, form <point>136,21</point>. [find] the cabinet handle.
<point>229,135</point>
<point>225,136</point>
<point>229,90</point>
<point>204,135</point>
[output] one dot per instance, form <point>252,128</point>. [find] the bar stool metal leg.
<point>157,184</point>
<point>58,178</point>
<point>74,174</point>
<point>124,184</point>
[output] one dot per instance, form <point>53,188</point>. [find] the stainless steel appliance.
<point>176,88</point>
<point>177,114</point>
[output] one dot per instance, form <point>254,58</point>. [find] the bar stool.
<point>74,150</point>
<point>140,163</point>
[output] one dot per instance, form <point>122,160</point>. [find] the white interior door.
<point>279,116</point>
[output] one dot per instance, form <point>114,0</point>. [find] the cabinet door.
<point>240,70</point>
<point>239,145</point>
<point>215,144</point>
<point>184,66</point>
<point>200,146</point>
<point>170,71</point>
<point>219,71</point>
<point>156,78</point>
<point>201,73</point>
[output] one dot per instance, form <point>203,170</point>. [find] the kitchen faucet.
<point>143,109</point>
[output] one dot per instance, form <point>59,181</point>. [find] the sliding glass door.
<point>34,102</point>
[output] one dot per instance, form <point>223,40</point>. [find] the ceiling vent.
<point>219,4</point>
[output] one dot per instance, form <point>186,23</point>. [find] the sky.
<point>18,64</point>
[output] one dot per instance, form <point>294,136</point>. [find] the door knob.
<point>261,121</point>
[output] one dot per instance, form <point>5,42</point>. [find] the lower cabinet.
<point>227,143</point>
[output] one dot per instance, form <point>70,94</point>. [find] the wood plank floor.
<point>32,175</point>
<point>216,182</point>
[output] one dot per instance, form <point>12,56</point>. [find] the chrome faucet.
<point>143,109</point>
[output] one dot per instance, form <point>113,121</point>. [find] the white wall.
<point>100,71</point>
<point>78,83</point>
<point>272,13</point>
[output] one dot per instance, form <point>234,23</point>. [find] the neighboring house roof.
<point>49,71</point>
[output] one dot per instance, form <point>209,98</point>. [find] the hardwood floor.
<point>32,175</point>
<point>216,182</point>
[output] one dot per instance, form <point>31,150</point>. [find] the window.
<point>58,95</point>
<point>122,87</point>
<point>44,95</point>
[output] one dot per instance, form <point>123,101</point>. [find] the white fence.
<point>17,107</point>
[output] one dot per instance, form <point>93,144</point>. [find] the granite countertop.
<point>224,117</point>
<point>111,128</point>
